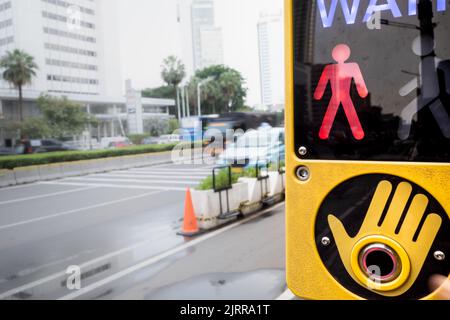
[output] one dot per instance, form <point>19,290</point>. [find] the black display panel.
<point>372,79</point>
<point>349,202</point>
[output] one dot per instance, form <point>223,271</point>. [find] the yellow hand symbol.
<point>379,242</point>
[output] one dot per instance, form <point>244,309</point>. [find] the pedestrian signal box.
<point>368,160</point>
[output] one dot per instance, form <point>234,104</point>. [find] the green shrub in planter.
<point>221,180</point>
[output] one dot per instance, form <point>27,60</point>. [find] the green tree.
<point>63,117</point>
<point>231,83</point>
<point>35,128</point>
<point>19,69</point>
<point>225,92</point>
<point>30,128</point>
<point>173,125</point>
<point>163,92</point>
<point>156,126</point>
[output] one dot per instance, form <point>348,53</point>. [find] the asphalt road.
<point>120,229</point>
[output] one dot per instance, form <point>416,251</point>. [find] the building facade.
<point>207,41</point>
<point>271,60</point>
<point>74,43</point>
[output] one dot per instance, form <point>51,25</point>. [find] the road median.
<point>55,171</point>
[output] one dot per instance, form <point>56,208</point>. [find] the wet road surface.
<point>120,228</point>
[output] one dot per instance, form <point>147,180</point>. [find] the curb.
<point>7,178</point>
<point>224,223</point>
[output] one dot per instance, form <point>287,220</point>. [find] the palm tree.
<point>19,69</point>
<point>173,72</point>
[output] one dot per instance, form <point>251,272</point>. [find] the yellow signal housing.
<point>332,263</point>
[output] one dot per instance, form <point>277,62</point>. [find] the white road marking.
<point>172,173</point>
<point>206,171</point>
<point>21,186</point>
<point>150,177</point>
<point>287,295</point>
<point>57,275</point>
<point>162,256</point>
<point>163,174</point>
<point>93,179</point>
<point>115,186</point>
<point>57,215</point>
<point>47,195</point>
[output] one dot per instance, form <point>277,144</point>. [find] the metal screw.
<point>326,241</point>
<point>439,256</point>
<point>303,174</point>
<point>303,151</point>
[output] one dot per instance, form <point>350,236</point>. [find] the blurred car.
<point>169,139</point>
<point>4,151</point>
<point>150,141</point>
<point>115,142</point>
<point>41,146</point>
<point>119,144</point>
<point>262,146</point>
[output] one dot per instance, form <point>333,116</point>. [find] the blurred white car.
<point>265,145</point>
<point>169,138</point>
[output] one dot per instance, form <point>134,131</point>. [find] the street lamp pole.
<point>183,103</point>
<point>178,104</point>
<point>199,91</point>
<point>188,107</point>
<point>199,102</point>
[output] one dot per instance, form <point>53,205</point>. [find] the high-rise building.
<point>206,37</point>
<point>73,43</point>
<point>212,49</point>
<point>185,43</point>
<point>271,60</point>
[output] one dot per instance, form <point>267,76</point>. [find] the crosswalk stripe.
<point>193,168</point>
<point>149,177</point>
<point>116,186</point>
<point>172,171</point>
<point>93,179</point>
<point>69,212</point>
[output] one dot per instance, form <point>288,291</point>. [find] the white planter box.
<point>256,189</point>
<point>276,183</point>
<point>207,204</point>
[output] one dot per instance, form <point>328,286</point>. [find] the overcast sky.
<point>149,32</point>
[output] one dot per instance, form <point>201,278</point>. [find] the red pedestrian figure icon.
<point>340,76</point>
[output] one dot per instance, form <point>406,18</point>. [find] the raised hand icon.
<point>386,256</point>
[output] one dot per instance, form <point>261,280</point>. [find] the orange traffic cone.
<point>190,225</point>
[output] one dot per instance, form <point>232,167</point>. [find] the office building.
<point>207,41</point>
<point>75,45</point>
<point>271,60</point>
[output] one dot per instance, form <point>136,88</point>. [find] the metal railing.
<point>263,179</point>
<point>224,188</point>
